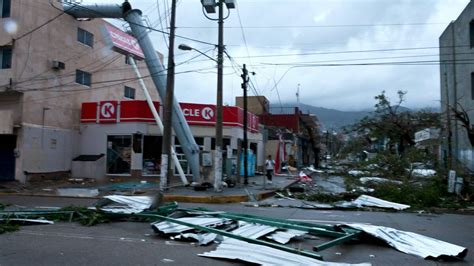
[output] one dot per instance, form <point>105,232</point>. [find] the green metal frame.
<point>303,252</point>
<point>340,235</point>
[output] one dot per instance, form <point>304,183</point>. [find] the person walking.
<point>269,166</point>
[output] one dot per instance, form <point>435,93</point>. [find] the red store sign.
<point>138,111</point>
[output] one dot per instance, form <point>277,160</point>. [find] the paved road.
<point>127,243</point>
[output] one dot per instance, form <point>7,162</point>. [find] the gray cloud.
<point>342,87</point>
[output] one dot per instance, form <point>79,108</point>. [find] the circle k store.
<point>126,136</point>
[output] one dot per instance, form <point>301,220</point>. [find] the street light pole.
<point>209,6</point>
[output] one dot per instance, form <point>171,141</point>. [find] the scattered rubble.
<point>250,238</point>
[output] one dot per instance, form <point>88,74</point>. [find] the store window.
<point>84,78</point>
<point>6,57</point>
<point>5,8</point>
<point>85,37</point>
<point>152,155</point>
<point>119,154</point>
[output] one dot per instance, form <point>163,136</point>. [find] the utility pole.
<point>220,60</point>
<point>168,107</point>
<point>245,80</point>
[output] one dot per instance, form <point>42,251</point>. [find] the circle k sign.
<point>108,110</point>
<point>207,113</point>
<point>198,112</point>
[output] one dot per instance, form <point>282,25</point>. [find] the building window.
<point>85,37</point>
<point>127,60</point>
<point>6,57</point>
<point>5,8</point>
<point>472,86</point>
<point>129,92</point>
<point>83,77</point>
<point>471,33</point>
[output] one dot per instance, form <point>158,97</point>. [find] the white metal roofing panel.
<point>169,227</point>
<point>263,255</point>
<point>284,237</point>
<point>412,243</point>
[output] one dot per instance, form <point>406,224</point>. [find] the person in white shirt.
<point>269,166</point>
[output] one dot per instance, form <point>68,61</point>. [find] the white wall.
<point>46,149</point>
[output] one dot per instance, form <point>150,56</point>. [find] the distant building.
<point>457,86</point>
<point>299,133</point>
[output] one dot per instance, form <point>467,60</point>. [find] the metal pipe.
<point>94,10</point>
<point>157,118</point>
<point>180,126</point>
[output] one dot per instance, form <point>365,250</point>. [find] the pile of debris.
<point>255,239</point>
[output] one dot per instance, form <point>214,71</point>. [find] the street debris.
<point>249,238</point>
<point>304,178</point>
<point>78,192</point>
<point>369,201</point>
<point>378,180</point>
<point>236,249</point>
<point>124,204</point>
<point>23,221</point>
<point>360,202</point>
<point>413,243</point>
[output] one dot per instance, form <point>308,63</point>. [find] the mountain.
<point>330,119</point>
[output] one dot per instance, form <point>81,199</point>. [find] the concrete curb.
<point>215,199</point>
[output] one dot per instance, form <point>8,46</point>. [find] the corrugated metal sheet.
<point>369,201</point>
<point>169,228</point>
<point>127,204</point>
<point>253,231</point>
<point>236,249</point>
<point>203,239</point>
<point>284,237</point>
<point>412,243</point>
<point>25,221</point>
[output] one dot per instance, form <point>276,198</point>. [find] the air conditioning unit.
<point>58,65</point>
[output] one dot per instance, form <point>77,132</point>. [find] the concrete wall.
<point>255,104</point>
<point>455,81</point>
<point>45,150</point>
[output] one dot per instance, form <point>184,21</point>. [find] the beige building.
<point>51,63</point>
<point>71,106</point>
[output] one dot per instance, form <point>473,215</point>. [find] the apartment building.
<point>457,88</point>
<point>51,64</point>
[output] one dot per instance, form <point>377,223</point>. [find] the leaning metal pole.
<point>157,72</point>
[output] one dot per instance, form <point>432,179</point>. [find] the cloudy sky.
<point>341,53</point>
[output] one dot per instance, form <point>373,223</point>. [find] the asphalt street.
<point>132,243</point>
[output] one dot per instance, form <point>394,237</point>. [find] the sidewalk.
<point>255,190</point>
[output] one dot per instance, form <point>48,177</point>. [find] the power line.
<point>353,51</point>
<point>321,26</point>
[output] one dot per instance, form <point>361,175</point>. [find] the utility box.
<point>88,166</point>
